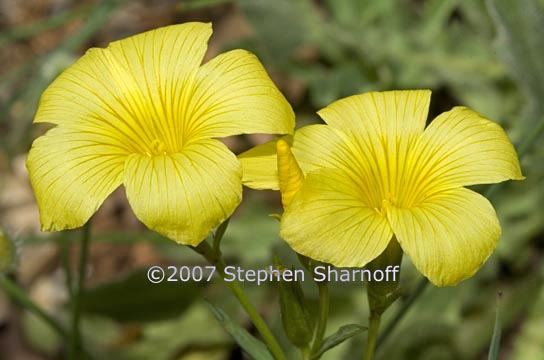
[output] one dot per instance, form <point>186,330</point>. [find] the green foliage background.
<point>487,55</point>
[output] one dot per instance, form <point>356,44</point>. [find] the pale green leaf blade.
<point>496,339</point>
<point>342,334</point>
<point>255,348</point>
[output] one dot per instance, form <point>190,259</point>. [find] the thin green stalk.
<point>65,261</point>
<point>75,345</point>
<point>257,320</point>
<point>305,353</point>
<point>372,335</point>
<point>210,255</point>
<point>421,286</point>
<point>19,296</point>
<point>323,316</point>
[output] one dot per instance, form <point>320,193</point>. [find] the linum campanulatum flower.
<point>145,113</point>
<point>374,172</point>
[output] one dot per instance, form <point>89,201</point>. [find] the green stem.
<point>257,320</point>
<point>65,262</point>
<point>77,291</point>
<point>211,256</point>
<point>421,286</point>
<point>305,353</point>
<point>373,328</point>
<point>323,316</point>
<point>19,296</point>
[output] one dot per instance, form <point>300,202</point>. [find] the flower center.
<point>389,200</point>
<point>157,148</point>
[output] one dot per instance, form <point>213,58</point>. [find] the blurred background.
<point>487,55</point>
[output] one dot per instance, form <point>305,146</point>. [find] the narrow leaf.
<point>255,348</point>
<point>344,333</point>
<point>496,339</point>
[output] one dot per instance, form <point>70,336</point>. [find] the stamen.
<point>390,200</point>
<point>157,148</point>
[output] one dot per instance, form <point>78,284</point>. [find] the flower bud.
<point>295,317</point>
<point>289,173</point>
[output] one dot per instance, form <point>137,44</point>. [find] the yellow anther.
<point>157,148</point>
<point>388,201</point>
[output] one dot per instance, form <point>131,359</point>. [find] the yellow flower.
<point>144,113</point>
<point>375,171</point>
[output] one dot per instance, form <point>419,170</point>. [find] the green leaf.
<point>247,342</point>
<point>496,339</point>
<point>344,332</point>
<point>135,298</point>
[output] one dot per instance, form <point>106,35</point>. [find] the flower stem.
<point>64,250</point>
<point>19,296</point>
<point>213,258</point>
<point>305,353</point>
<point>77,291</point>
<point>421,286</point>
<point>373,328</point>
<point>257,320</point>
<point>323,316</point>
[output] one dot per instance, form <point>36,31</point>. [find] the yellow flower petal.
<point>385,126</point>
<point>460,148</point>
<point>449,236</point>
<point>329,222</point>
<point>321,146</point>
<point>389,114</point>
<point>260,166</point>
<point>314,147</point>
<point>184,196</point>
<point>234,95</point>
<point>133,90</point>
<point>72,172</point>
